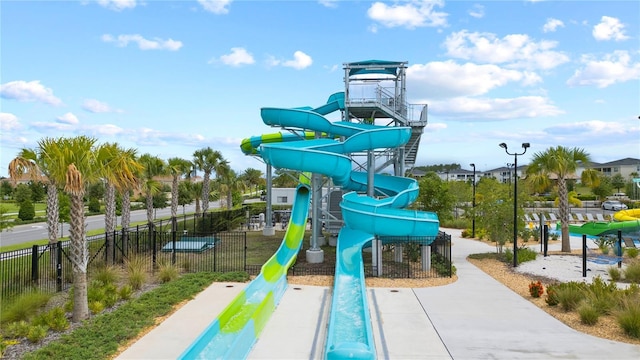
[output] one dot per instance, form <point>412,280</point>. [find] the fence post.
<point>153,247</point>
<point>59,266</point>
<point>173,248</point>
<point>34,263</point>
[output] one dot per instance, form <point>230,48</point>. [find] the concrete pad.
<point>401,328</point>
<point>176,333</point>
<point>297,328</point>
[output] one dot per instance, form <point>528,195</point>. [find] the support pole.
<point>268,230</point>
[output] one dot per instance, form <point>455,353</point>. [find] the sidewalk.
<point>479,318</point>
<point>474,318</point>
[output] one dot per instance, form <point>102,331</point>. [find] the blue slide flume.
<point>349,333</point>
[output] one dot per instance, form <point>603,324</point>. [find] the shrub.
<point>96,306</point>
<point>26,211</point>
<point>632,272</point>
<point>37,333</point>
<point>167,272</point>
<point>588,314</point>
<point>136,272</point>
<point>24,306</point>
<point>536,289</point>
<point>570,295</point>
<point>552,296</point>
<point>55,319</point>
<point>524,254</point>
<point>602,296</point>
<point>629,318</point>
<point>107,274</point>
<point>17,329</point>
<point>125,292</point>
<point>632,252</point>
<point>614,273</point>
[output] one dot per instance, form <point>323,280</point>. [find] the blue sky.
<point>172,77</point>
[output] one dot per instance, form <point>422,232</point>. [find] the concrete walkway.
<point>474,318</point>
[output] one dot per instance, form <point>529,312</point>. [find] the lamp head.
<point>525,145</point>
<point>474,165</point>
<point>503,145</point>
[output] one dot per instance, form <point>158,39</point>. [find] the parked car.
<point>614,205</point>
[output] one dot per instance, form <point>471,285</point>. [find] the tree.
<point>617,181</point>
<point>39,165</point>
<point>494,210</point>
<point>119,169</point>
<point>229,183</point>
<point>177,168</point>
<point>253,177</point>
<point>185,194</point>
<point>22,193</point>
<point>435,196</point>
<point>26,211</point>
<point>72,165</point>
<point>284,179</point>
<point>5,189</point>
<point>38,192</point>
<point>560,163</point>
<point>206,160</point>
<point>152,166</point>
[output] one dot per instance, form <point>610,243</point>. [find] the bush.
<point>167,272</point>
<point>629,318</point>
<point>588,314</point>
<point>570,295</point>
<point>614,273</point>
<point>24,307</point>
<point>37,333</point>
<point>632,253</point>
<point>536,289</point>
<point>16,329</point>
<point>125,292</point>
<point>632,272</point>
<point>107,274</point>
<point>55,319</point>
<point>552,297</point>
<point>524,254</point>
<point>27,211</point>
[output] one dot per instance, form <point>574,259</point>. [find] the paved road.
<point>38,231</point>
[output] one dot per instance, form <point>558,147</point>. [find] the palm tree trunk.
<point>79,259</point>
<point>174,203</point>
<point>229,200</point>
<point>205,193</point>
<point>149,208</point>
<point>109,219</point>
<point>563,200</point>
<point>126,219</point>
<point>53,210</point>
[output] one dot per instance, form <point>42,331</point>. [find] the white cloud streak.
<point>143,44</point>
<point>238,57</point>
<point>28,91</point>
<point>552,25</point>
<point>410,15</point>
<point>217,7</point>
<point>611,69</point>
<point>609,28</point>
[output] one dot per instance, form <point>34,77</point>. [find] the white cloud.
<point>216,6</point>
<point>143,44</point>
<point>552,25</point>
<point>449,79</point>
<point>412,14</point>
<point>28,92</point>
<point>95,106</point>
<point>515,50</point>
<point>68,119</point>
<point>329,3</point>
<point>300,61</point>
<point>117,5</point>
<point>613,68</point>
<point>9,122</point>
<point>238,57</point>
<point>477,11</point>
<point>485,109</point>
<point>609,28</point>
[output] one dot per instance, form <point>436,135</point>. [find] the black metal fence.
<point>48,267</point>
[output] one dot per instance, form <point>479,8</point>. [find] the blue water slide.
<point>349,334</point>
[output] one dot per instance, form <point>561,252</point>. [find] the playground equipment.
<point>627,221</point>
<point>368,219</point>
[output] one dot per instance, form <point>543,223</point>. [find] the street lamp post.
<point>525,146</point>
<point>473,203</point>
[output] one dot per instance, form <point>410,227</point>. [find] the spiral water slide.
<point>349,333</point>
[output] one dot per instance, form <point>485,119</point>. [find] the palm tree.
<point>177,168</point>
<point>35,166</point>
<point>560,163</point>
<point>72,164</point>
<point>152,166</point>
<point>119,168</point>
<point>229,182</point>
<point>206,160</point>
<point>253,177</point>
